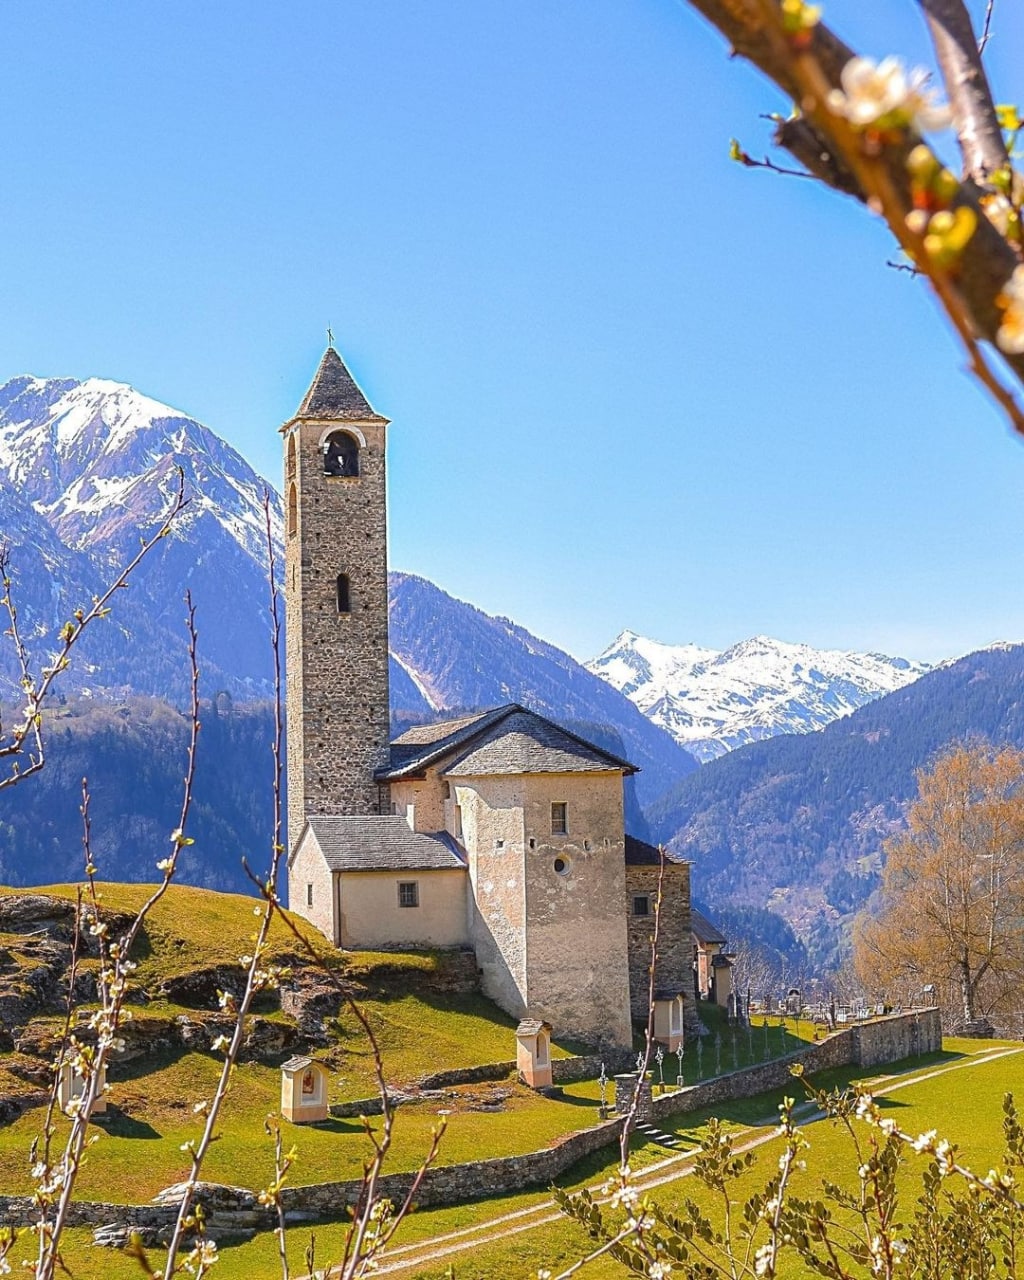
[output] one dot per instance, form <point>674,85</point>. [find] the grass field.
<point>959,1093</point>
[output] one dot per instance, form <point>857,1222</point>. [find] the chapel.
<point>499,831</point>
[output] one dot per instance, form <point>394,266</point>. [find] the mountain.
<point>457,657</point>
<point>88,467</point>
<point>85,468</point>
<point>712,701</point>
<point>796,823</point>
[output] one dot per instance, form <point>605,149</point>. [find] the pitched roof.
<point>702,928</point>
<point>381,842</point>
<point>334,394</point>
<point>506,740</point>
<point>641,854</point>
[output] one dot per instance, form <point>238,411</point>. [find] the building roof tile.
<point>506,740</point>
<point>703,930</point>
<point>382,842</point>
<point>641,854</point>
<point>335,394</point>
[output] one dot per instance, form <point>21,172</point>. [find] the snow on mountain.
<point>85,469</point>
<point>712,701</point>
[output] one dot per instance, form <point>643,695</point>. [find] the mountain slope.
<point>712,702</point>
<point>459,657</point>
<point>797,822</point>
<point>96,462</point>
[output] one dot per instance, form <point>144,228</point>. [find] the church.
<point>500,831</point>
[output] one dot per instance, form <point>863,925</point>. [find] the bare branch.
<point>970,98</point>
<point>27,735</point>
<point>986,30</point>
<point>830,148</point>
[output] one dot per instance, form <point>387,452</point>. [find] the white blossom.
<point>1010,336</point>
<point>885,95</point>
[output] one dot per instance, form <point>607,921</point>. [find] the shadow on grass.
<point>119,1124</point>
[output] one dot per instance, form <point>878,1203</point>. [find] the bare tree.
<point>953,887</point>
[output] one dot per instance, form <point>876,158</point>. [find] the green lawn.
<point>963,1103</point>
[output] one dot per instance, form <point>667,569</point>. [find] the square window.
<point>641,904</point>
<point>499,844</point>
<point>309,895</point>
<point>408,893</point>
<point>559,819</point>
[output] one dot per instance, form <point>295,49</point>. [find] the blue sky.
<point>631,384</point>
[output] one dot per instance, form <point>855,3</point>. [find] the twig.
<point>36,689</point>
<point>986,30</point>
<point>908,267</point>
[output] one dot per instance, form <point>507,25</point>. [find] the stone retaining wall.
<point>868,1044</point>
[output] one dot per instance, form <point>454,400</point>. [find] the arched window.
<point>341,454</point>
<point>344,605</point>
<point>293,511</point>
<point>290,462</point>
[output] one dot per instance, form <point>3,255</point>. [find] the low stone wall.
<point>233,1209</point>
<point>901,1035</point>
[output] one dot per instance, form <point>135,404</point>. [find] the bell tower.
<point>336,600</point>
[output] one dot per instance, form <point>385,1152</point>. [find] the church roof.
<point>702,928</point>
<point>506,740</point>
<point>334,394</point>
<point>641,854</point>
<point>381,842</point>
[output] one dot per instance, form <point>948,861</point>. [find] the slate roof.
<point>702,928</point>
<point>506,740</point>
<point>382,842</point>
<point>334,393</point>
<point>641,854</point>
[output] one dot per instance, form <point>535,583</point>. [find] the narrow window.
<point>457,822</point>
<point>447,790</point>
<point>559,819</point>
<point>293,511</point>
<point>344,605</point>
<point>290,465</point>
<point>641,904</point>
<point>309,895</point>
<point>533,843</point>
<point>586,846</point>
<point>408,893</point>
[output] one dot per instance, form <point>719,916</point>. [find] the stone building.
<point>500,831</point>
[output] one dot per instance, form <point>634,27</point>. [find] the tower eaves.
<point>334,394</point>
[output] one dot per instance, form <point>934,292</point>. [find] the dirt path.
<point>436,1249</point>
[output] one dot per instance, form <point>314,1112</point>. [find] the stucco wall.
<point>308,867</point>
<point>426,800</point>
<point>372,920</point>
<point>491,812</point>
<point>576,950</point>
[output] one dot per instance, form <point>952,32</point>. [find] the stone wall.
<point>234,1209</point>
<point>337,662</point>
<point>674,969</point>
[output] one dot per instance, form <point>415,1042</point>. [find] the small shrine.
<point>304,1090</point>
<point>533,1053</point>
<point>668,1019</point>
<point>71,1087</point>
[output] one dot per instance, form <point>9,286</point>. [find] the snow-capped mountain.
<point>88,467</point>
<point>712,701</point>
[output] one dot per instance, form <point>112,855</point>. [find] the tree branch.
<point>970,98</point>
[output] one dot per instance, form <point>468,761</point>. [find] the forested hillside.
<point>134,753</point>
<point>797,822</point>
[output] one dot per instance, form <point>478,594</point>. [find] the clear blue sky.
<point>632,384</point>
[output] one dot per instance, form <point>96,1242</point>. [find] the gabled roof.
<point>641,854</point>
<point>381,842</point>
<point>334,394</point>
<point>702,928</point>
<point>507,740</point>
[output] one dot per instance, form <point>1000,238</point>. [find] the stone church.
<point>499,831</point>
